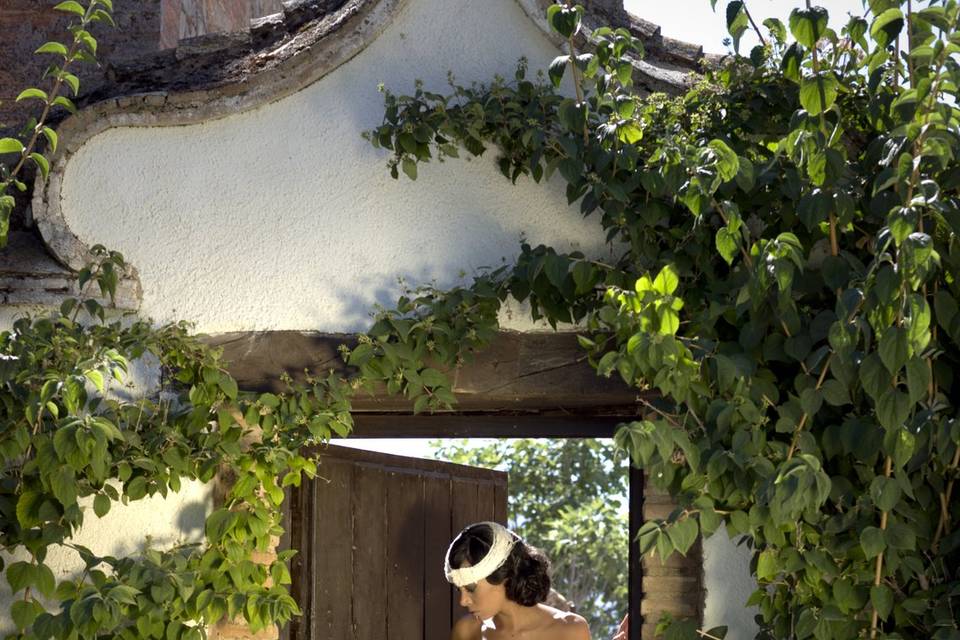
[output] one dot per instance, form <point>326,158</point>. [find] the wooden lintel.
<point>527,372</point>
<point>484,425</point>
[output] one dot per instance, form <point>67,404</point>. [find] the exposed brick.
<point>673,586</point>
<point>26,24</point>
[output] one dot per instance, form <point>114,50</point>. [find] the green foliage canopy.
<point>789,288</point>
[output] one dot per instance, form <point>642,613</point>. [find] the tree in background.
<point>566,497</point>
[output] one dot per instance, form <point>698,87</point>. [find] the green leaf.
<point>630,133</point>
<point>28,508</point>
<point>434,378</point>
<point>728,163</point>
<point>873,542</point>
<point>71,6</point>
<point>885,493</point>
<point>564,20</point>
<point>810,401</point>
<point>63,482</point>
<point>874,377</point>
<point>96,378</point>
<point>24,612</point>
<point>726,245</point>
<point>881,597</point>
<point>10,145</point>
<point>21,575</point>
<point>409,167</point>
<point>900,536</point>
<point>101,505</point>
<point>648,535</point>
<point>42,163</point>
<point>32,94</point>
<point>124,594</point>
<point>556,268</point>
<point>220,523</point>
<point>667,280</point>
<point>792,62</point>
<point>136,488</point>
<point>228,385</point>
<point>66,103</point>
<point>53,47</point>
<point>894,349</point>
<point>886,26</point>
<point>557,68</point>
<point>683,534</point>
<point>808,25</point>
<point>52,138</point>
<point>918,378</point>
<point>359,355</point>
<point>72,81</point>
<point>571,115</point>
<point>818,93</point>
<point>845,595</point>
<point>737,22</point>
<point>583,276</point>
<point>835,393</point>
<point>893,409</point>
<point>777,29</point>
<point>903,448</point>
<point>46,583</point>
<point>767,565</point>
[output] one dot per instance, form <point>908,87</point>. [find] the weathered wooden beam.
<point>484,425</point>
<point>518,372</point>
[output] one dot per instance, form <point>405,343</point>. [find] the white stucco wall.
<point>284,218</point>
<point>728,582</point>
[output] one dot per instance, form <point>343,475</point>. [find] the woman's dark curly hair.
<point>525,574</point>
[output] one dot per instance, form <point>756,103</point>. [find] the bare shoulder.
<point>466,628</point>
<point>569,626</point>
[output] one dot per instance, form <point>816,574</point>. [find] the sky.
<point>412,447</point>
<point>693,21</point>
<point>690,20</point>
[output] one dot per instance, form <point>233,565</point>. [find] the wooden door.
<point>371,531</point>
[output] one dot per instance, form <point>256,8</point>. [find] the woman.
<point>503,582</point>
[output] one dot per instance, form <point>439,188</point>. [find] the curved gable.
<point>245,196</point>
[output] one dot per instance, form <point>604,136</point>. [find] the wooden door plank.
<point>405,554</point>
<point>436,538</point>
<point>464,510</point>
<point>370,568</point>
<point>299,524</point>
<point>486,501</point>
<point>500,493</point>
<point>332,552</point>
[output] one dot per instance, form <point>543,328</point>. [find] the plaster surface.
<point>728,583</point>
<point>284,218</point>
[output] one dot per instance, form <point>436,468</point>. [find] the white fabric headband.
<point>503,542</point>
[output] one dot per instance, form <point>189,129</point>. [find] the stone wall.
<point>191,18</point>
<point>143,27</point>
<point>27,24</point>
